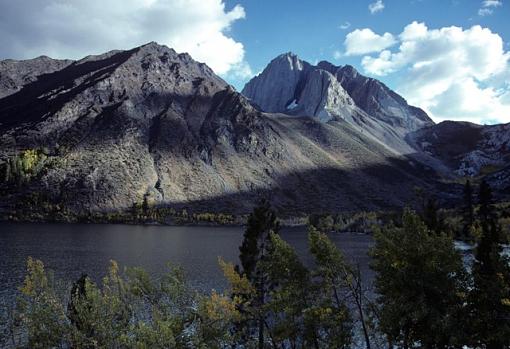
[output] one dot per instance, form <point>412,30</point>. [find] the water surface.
<point>72,249</point>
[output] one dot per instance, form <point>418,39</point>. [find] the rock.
<point>151,123</point>
<point>275,88</point>
<point>465,148</point>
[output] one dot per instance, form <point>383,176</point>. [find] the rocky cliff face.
<point>16,74</point>
<point>467,149</point>
<point>149,123</point>
<point>329,92</point>
<point>275,89</point>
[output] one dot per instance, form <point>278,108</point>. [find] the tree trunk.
<point>359,303</point>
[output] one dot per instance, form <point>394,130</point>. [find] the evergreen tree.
<point>431,215</point>
<point>261,222</point>
<point>490,295</point>
<point>420,282</point>
<point>338,282</point>
<point>291,297</point>
<point>77,293</point>
<point>145,205</point>
<point>468,216</point>
<point>301,308</point>
<point>322,222</point>
<point>7,175</point>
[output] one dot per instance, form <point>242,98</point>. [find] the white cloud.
<point>375,7</point>
<point>74,29</point>
<point>487,6</point>
<point>240,71</point>
<point>362,41</point>
<point>451,72</point>
<point>492,3</point>
<point>345,25</point>
<point>485,12</point>
<point>337,54</point>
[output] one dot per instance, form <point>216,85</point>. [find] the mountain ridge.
<point>292,86</point>
<point>151,125</point>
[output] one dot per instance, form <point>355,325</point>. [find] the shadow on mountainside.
<point>377,187</point>
<point>33,101</point>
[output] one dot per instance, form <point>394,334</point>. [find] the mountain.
<point>291,86</point>
<point>16,74</point>
<point>326,92</point>
<point>107,132</point>
<point>468,149</point>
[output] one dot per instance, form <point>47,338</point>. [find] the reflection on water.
<point>71,249</point>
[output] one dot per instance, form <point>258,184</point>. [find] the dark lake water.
<point>72,249</point>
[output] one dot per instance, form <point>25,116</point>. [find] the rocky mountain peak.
<point>288,59</point>
<point>284,89</point>
<point>130,80</point>
<point>349,71</point>
<point>278,80</point>
<point>151,124</point>
<point>327,66</point>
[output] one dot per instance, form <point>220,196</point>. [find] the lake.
<point>72,249</point>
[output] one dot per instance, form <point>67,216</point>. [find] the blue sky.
<point>316,30</point>
<point>450,57</point>
<point>312,29</point>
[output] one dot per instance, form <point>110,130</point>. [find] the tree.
<point>261,222</point>
<point>299,311</point>
<point>289,299</point>
<point>39,310</point>
<point>468,216</point>
<point>78,294</point>
<point>128,310</point>
<point>7,173</point>
<point>322,222</point>
<point>421,285</point>
<point>431,215</point>
<point>145,205</point>
<point>338,281</point>
<point>489,298</point>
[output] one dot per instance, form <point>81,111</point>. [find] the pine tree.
<point>261,222</point>
<point>431,215</point>
<point>78,294</point>
<point>145,205</point>
<point>338,281</point>
<point>7,175</point>
<point>490,295</point>
<point>468,215</point>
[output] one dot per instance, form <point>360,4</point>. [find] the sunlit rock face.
<point>467,149</point>
<point>294,87</point>
<point>152,124</point>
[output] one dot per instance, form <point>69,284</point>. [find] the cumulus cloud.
<point>362,41</point>
<point>375,7</point>
<point>73,29</point>
<point>451,72</point>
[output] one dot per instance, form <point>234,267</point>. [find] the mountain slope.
<point>292,86</point>
<point>151,124</point>
<point>16,74</point>
<point>469,150</point>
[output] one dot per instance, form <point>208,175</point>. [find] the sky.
<point>449,57</point>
